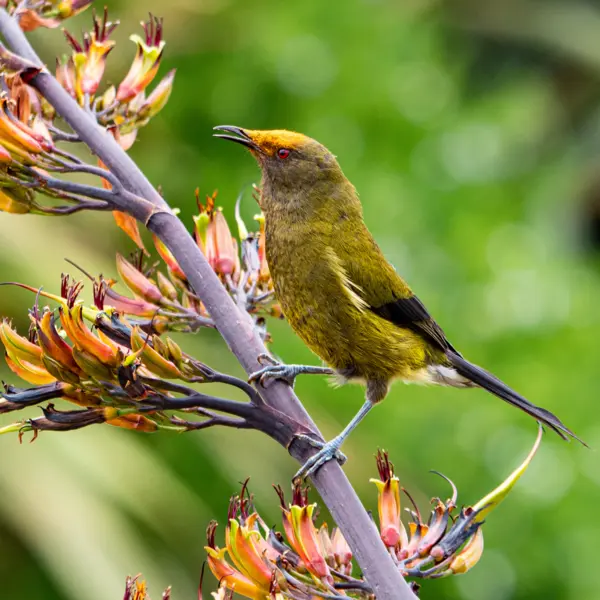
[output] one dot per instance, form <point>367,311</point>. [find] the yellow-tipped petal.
<point>34,374</point>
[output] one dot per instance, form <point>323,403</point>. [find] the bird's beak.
<point>241,137</point>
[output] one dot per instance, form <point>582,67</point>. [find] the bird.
<point>339,293</point>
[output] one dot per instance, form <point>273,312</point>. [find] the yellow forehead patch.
<point>271,141</point>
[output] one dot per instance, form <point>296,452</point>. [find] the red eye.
<point>283,153</point>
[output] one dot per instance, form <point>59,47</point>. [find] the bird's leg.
<point>277,370</point>
<point>331,449</point>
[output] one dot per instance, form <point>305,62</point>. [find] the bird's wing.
<point>384,292</point>
<point>411,313</point>
<point>387,295</point>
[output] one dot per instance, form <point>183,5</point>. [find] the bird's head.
<point>288,160</point>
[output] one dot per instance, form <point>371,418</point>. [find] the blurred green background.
<point>471,130</point>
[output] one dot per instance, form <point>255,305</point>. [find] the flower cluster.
<point>126,107</point>
<point>242,267</point>
<point>113,358</point>
<point>29,134</point>
<point>45,13</point>
<point>310,562</point>
<point>107,371</point>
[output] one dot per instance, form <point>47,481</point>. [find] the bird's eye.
<point>283,153</point>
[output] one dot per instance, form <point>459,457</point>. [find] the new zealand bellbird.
<point>340,294</point>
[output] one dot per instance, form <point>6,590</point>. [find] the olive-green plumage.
<point>328,271</point>
<point>337,290</point>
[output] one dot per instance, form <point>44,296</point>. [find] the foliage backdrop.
<point>471,132</point>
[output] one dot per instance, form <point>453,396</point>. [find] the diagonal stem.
<point>239,334</point>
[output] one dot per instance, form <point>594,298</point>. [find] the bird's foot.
<point>327,451</point>
<point>288,373</point>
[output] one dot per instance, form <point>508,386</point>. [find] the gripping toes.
<point>275,370</point>
<point>327,451</point>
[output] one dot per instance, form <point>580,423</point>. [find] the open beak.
<point>241,137</point>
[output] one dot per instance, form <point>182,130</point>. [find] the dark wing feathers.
<point>412,314</point>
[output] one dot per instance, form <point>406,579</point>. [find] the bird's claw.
<point>273,370</point>
<point>327,451</point>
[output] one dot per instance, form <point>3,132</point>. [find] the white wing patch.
<point>351,289</point>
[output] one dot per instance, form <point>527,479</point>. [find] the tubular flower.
<point>89,58</point>
<point>122,110</point>
<point>146,62</point>
<point>214,238</point>
<point>392,530</point>
<point>262,563</point>
<point>16,137</point>
<point>307,563</point>
<point>105,368</point>
<point>115,352</point>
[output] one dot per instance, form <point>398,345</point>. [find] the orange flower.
<point>393,533</point>
<point>89,58</point>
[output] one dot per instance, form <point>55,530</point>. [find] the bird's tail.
<point>492,384</point>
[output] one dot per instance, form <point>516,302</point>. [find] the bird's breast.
<point>328,311</point>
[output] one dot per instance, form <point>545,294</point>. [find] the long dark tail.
<point>492,384</point>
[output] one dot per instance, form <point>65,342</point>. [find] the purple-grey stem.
<point>330,481</point>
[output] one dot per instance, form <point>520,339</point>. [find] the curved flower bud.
<point>29,372</point>
<point>157,99</point>
<point>130,226</point>
<point>54,347</point>
<point>17,346</point>
<point>15,136</point>
<point>151,359</point>
<point>128,306</point>
<point>137,282</point>
<point>84,340</point>
<point>167,289</point>
<point>168,258</point>
<point>23,357</point>
<point>30,20</point>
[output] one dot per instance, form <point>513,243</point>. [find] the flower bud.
<point>137,282</point>
<point>169,259</point>
<point>167,289</point>
<point>158,98</point>
<point>151,359</point>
